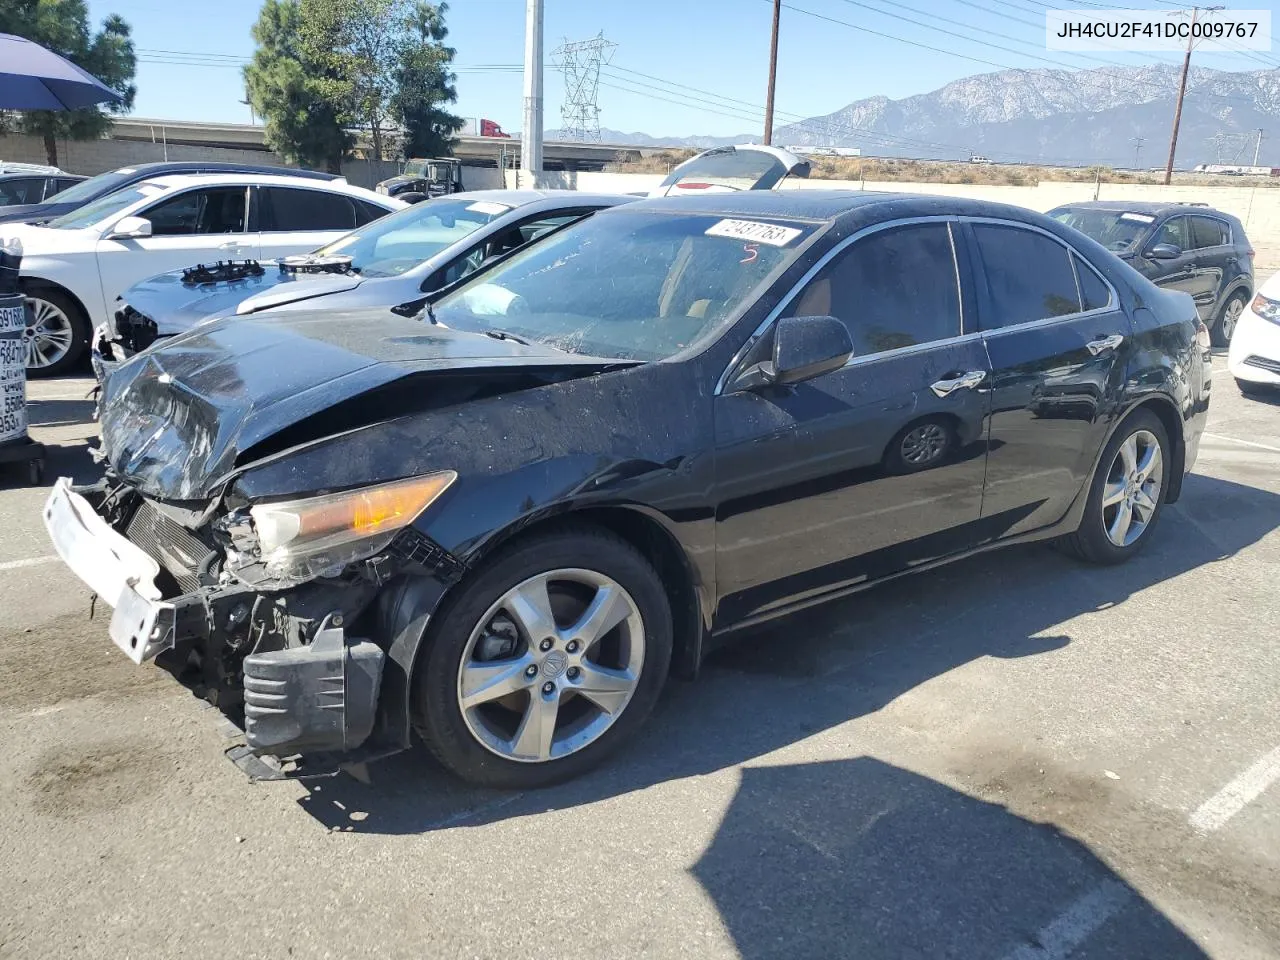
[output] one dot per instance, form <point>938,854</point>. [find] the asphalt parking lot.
<point>1017,757</point>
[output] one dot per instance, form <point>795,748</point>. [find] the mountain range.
<point>1120,116</point>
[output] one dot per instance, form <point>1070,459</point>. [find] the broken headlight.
<point>318,536</point>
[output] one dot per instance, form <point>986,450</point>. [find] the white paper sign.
<point>756,232</point>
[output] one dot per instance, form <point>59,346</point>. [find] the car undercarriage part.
<point>305,263</point>
<point>221,271</point>
<point>318,697</point>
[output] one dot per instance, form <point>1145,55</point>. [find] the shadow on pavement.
<point>859,858</point>
<point>819,669</point>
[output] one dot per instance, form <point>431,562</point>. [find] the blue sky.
<point>681,67</point>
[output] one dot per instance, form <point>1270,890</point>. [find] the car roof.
<point>174,180</point>
<point>157,167</point>
<point>520,198</point>
<point>1155,208</point>
<point>828,205</point>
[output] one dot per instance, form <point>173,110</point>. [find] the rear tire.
<point>487,622</point>
<point>1224,325</point>
<point>61,333</point>
<point>1115,489</point>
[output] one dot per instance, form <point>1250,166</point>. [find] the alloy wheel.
<point>551,665</point>
<point>1230,317</point>
<point>1132,490</point>
<point>48,335</point>
<point>924,444</point>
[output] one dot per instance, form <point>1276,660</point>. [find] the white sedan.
<point>75,266</point>
<point>1254,355</point>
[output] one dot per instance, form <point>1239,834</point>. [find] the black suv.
<point>1182,246</point>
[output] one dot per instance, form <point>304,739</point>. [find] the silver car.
<point>390,261</point>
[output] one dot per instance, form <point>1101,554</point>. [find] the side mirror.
<point>411,196</point>
<point>803,348</point>
<point>1164,251</point>
<point>128,227</point>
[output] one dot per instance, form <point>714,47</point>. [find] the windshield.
<point>389,246</point>
<point>633,285</point>
<point>1116,230</point>
<point>93,187</point>
<point>104,207</point>
<point>415,168</point>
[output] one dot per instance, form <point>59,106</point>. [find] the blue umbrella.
<point>33,78</point>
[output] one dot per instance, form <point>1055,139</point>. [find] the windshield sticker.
<point>1137,218</point>
<point>486,207</point>
<point>770,233</point>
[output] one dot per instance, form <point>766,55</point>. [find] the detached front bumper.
<point>317,698</point>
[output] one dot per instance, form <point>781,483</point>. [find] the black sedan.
<point>503,522</point>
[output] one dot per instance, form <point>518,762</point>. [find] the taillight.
<point>1202,335</point>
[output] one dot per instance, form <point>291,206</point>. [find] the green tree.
<point>63,27</point>
<point>425,84</point>
<point>292,87</point>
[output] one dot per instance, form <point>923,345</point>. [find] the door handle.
<point>1104,343</point>
<point>966,381</point>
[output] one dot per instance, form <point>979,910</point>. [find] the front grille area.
<point>1262,363</point>
<point>136,330</point>
<point>169,544</point>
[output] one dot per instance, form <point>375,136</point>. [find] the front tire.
<point>57,334</point>
<point>1126,494</point>
<point>544,661</point>
<point>1224,325</point>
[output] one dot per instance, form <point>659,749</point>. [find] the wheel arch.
<point>646,531</point>
<point>405,608</point>
<point>1163,407</point>
<point>41,283</point>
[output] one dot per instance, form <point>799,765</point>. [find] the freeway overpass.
<point>472,151</point>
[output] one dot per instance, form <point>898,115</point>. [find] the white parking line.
<point>1247,443</point>
<point>1074,925</point>
<point>29,562</point>
<point>1237,794</point>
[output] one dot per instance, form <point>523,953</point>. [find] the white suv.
<point>75,266</point>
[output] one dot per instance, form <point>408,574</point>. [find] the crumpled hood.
<point>176,419</point>
<point>176,307</point>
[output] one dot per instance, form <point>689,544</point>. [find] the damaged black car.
<point>499,524</point>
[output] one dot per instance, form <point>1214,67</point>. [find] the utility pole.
<point>773,73</point>
<point>531,135</point>
<point>1182,92</point>
<point>1257,149</point>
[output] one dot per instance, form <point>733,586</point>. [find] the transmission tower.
<point>580,62</point>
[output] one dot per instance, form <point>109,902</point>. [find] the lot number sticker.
<point>770,233</point>
<point>12,318</point>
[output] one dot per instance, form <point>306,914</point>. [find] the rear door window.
<point>1208,232</point>
<point>895,288</point>
<point>1028,276</point>
<point>288,209</point>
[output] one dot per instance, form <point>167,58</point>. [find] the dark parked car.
<point>1181,246</point>
<point>86,191</point>
<point>18,187</point>
<point>504,522</point>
